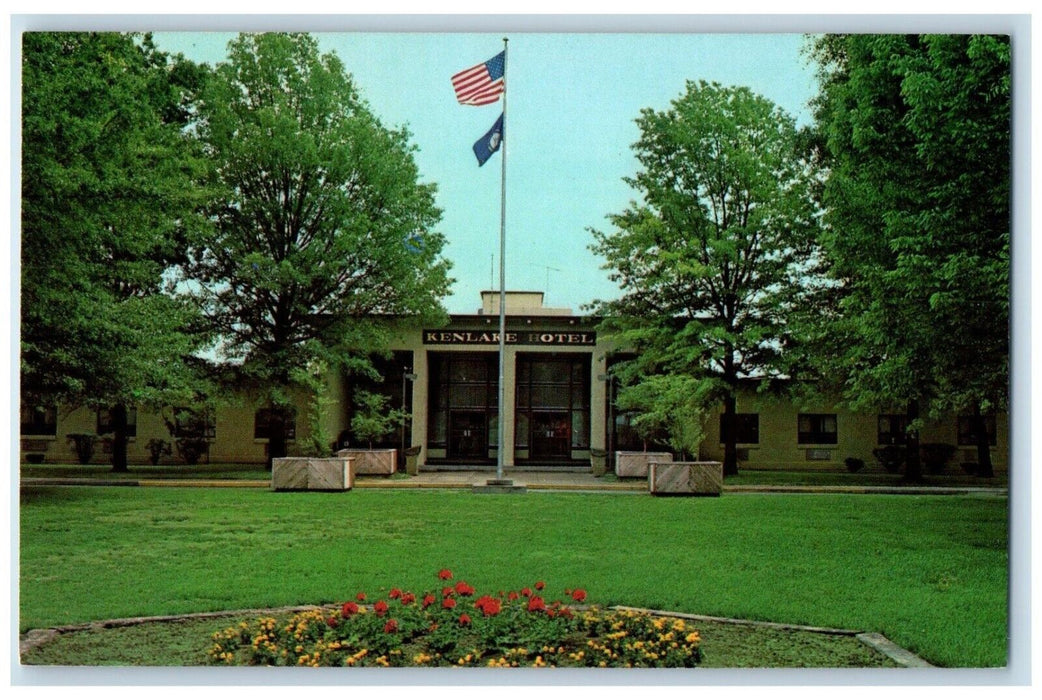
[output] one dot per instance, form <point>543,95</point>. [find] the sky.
<point>572,99</point>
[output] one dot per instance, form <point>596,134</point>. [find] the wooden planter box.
<point>635,464</point>
<point>686,478</point>
<point>371,462</point>
<point>311,474</point>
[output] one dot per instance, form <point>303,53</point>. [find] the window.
<point>262,424</point>
<point>967,434</point>
<point>461,383</point>
<point>816,429</point>
<point>552,393</point>
<point>747,426</point>
<point>39,420</point>
<point>189,423</point>
<point>105,424</point>
<point>892,429</point>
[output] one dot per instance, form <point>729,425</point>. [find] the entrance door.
<point>468,435</point>
<point>551,436</point>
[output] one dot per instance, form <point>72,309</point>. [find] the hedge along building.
<point>557,392</point>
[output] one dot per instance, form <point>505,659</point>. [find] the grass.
<point>928,572</point>
<point>184,643</point>
<point>140,471</point>
<point>768,477</point>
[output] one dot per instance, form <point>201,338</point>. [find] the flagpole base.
<point>499,486</point>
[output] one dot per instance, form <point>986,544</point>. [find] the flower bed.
<point>455,627</point>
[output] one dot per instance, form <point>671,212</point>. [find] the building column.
<point>420,392</point>
<point>509,404</point>
<point>598,401</point>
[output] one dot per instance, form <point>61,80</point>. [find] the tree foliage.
<point>915,136</point>
<point>717,251</point>
<point>373,418</point>
<point>109,202</point>
<point>322,226</point>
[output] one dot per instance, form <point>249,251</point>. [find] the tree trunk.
<point>276,434</point>
<point>731,441</point>
<point>980,432</point>
<point>119,438</point>
<point>913,466</point>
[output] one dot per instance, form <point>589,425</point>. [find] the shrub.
<point>84,446</point>
<point>451,627</point>
<point>890,457</point>
<point>854,464</point>
<point>157,449</point>
<point>936,456</point>
<point>192,448</point>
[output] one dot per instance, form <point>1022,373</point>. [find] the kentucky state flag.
<point>490,142</point>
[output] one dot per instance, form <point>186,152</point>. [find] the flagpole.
<point>501,420</point>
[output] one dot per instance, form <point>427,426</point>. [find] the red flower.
<point>463,588</point>
<point>447,591</point>
<point>464,619</point>
<point>444,574</point>
<point>391,626</point>
<point>512,595</point>
<point>360,597</point>
<point>408,598</point>
<point>394,594</point>
<point>535,604</point>
<point>331,621</point>
<point>348,609</point>
<point>578,595</point>
<point>565,613</point>
<point>380,608</point>
<point>448,603</point>
<point>488,605</point>
<point>428,599</point>
<point>526,592</point>
<point>539,585</point>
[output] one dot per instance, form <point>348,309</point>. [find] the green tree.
<point>109,201</point>
<point>323,228</point>
<point>373,418</point>
<point>717,251</point>
<point>915,136</point>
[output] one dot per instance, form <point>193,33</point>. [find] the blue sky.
<point>571,103</point>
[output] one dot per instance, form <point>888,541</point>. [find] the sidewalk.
<point>530,480</point>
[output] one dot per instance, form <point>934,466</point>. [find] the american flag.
<point>482,84</point>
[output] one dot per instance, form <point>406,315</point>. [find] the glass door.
<point>551,436</point>
<point>468,434</point>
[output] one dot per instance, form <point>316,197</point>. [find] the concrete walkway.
<point>529,480</point>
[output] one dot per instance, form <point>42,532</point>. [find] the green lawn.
<point>145,471</point>
<point>928,572</point>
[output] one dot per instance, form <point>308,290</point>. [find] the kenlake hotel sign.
<point>541,337</point>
